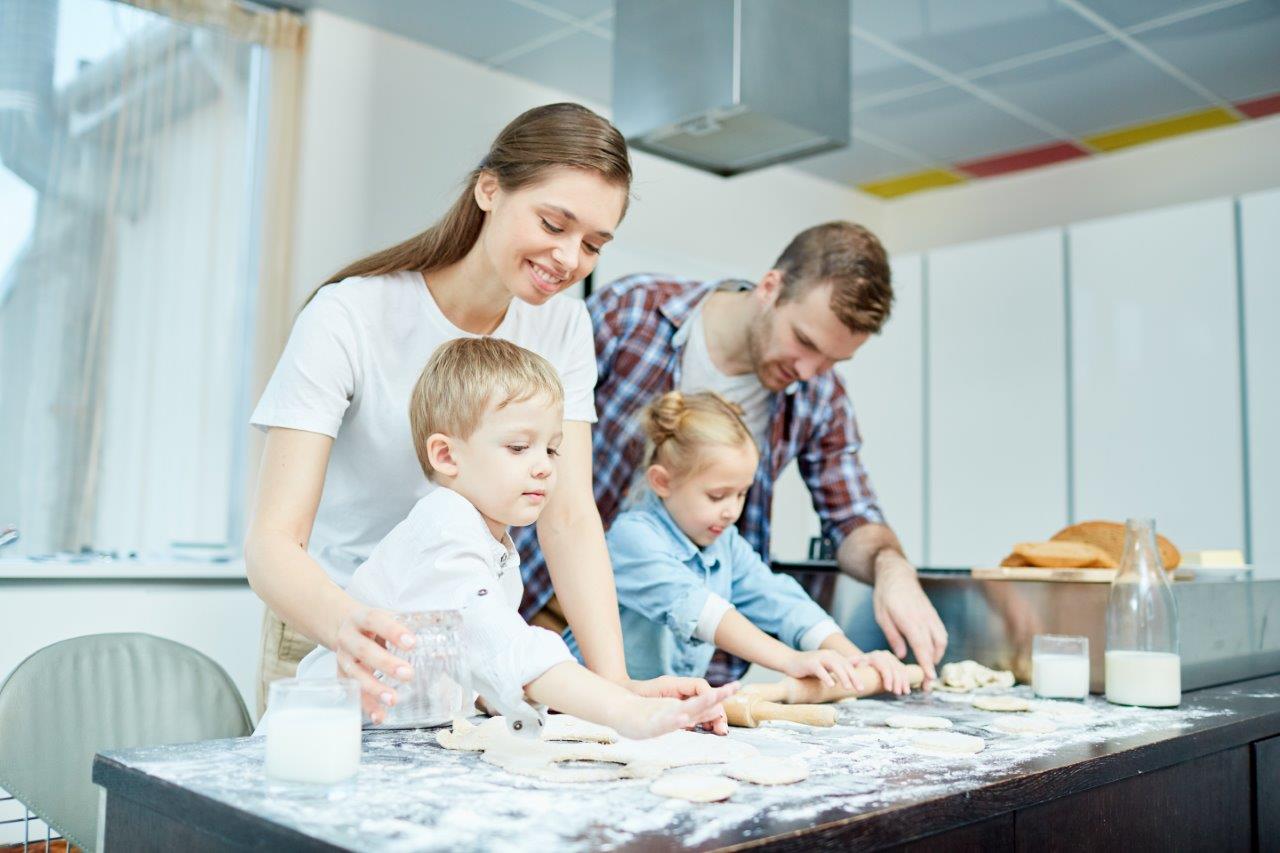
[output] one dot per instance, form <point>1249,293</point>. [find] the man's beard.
<point>760,330</point>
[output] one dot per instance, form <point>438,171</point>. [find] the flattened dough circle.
<point>1001,703</point>
<point>917,721</point>
<point>1024,725</point>
<point>695,788</point>
<point>948,743</point>
<point>768,771</point>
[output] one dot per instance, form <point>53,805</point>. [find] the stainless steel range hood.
<point>732,85</point>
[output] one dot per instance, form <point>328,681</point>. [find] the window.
<point>129,191</point>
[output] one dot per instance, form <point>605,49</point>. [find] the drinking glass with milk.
<point>313,735</point>
<point>1143,666</point>
<point>1060,666</point>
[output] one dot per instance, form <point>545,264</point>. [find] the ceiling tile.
<point>861,161</point>
<point>581,9</point>
<point>948,125</point>
<point>1234,52</point>
<point>477,29</point>
<point>580,64</point>
<point>1093,89</point>
<point>1129,13</point>
<point>876,73</point>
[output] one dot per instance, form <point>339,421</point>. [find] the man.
<point>770,348</point>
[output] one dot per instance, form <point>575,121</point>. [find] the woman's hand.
<point>677,687</point>
<point>360,644</point>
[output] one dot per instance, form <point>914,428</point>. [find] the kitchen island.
<point>1204,775</point>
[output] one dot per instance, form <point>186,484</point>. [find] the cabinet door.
<point>997,397</point>
<point>884,382</point>
<point>1156,372</point>
<point>1260,256</point>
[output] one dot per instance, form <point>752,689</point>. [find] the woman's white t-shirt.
<point>347,371</point>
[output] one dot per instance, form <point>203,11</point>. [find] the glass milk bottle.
<point>1142,662</point>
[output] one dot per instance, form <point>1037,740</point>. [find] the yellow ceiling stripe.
<point>1149,131</point>
<point>910,183</point>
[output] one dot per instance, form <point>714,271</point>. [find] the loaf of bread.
<point>1063,555</point>
<point>1108,536</point>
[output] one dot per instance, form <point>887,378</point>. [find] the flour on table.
<point>1001,703</point>
<point>917,721</point>
<point>546,757</point>
<point>1024,726</point>
<point>768,771</point>
<point>963,676</point>
<point>948,743</point>
<point>1065,711</point>
<point>695,788</point>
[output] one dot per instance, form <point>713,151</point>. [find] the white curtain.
<point>157,144</point>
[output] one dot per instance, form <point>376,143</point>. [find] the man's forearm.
<point>860,549</point>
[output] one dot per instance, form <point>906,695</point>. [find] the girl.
<point>338,468</point>
<point>689,583</point>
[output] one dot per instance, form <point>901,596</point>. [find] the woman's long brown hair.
<point>548,137</point>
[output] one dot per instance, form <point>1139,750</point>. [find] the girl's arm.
<point>571,536</point>
<point>294,585</point>
<point>737,636</point>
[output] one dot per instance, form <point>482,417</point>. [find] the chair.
<point>101,692</point>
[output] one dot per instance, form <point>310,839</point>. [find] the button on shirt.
<point>673,594</point>
<point>444,557</point>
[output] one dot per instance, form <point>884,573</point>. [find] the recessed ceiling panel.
<point>877,74</point>
<point>1130,13</point>
<point>948,125</point>
<point>1094,89</point>
<point>1234,52</point>
<point>581,9</point>
<point>580,64</point>
<point>860,162</point>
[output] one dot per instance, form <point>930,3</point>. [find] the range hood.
<point>732,85</point>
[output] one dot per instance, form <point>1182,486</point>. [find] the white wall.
<point>390,127</point>
<point>1212,164</point>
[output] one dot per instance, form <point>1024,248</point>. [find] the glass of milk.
<point>313,735</point>
<point>1143,666</point>
<point>1060,666</point>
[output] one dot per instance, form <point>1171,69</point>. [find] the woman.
<point>338,468</point>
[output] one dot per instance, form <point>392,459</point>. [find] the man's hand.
<point>904,613</point>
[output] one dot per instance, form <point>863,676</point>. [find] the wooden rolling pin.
<point>750,711</point>
<point>795,691</point>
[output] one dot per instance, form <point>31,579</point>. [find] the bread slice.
<point>1063,555</point>
<point>1109,536</point>
<point>1015,560</point>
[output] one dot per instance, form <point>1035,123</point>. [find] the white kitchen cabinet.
<point>997,397</point>
<point>1156,372</point>
<point>1260,258</point>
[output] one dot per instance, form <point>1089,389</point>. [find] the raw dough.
<point>916,721</point>
<point>768,771</point>
<point>970,675</point>
<point>1065,711</point>
<point>622,759</point>
<point>948,743</point>
<point>1001,703</point>
<point>697,789</point>
<point>564,727</point>
<point>1024,726</point>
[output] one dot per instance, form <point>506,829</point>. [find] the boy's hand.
<point>652,717</point>
<point>679,687</point>
<point>831,668</point>
<point>893,672</point>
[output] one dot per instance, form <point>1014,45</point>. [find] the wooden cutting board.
<point>1032,573</point>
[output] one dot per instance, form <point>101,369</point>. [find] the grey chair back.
<point>101,692</point>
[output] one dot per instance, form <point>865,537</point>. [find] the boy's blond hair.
<point>464,377</point>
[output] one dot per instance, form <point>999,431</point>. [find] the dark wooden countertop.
<point>215,788</point>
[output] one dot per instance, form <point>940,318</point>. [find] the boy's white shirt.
<point>444,557</point>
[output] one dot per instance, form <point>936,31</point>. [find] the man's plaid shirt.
<point>638,323</point>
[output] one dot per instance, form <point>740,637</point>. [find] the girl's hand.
<point>831,668</point>
<point>677,687</point>
<point>893,672</point>
<point>361,647</point>
<point>650,717</point>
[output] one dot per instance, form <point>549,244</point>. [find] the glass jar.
<point>440,688</point>
<point>1142,663</point>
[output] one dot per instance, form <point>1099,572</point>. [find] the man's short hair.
<point>850,259</point>
<point>464,377</point>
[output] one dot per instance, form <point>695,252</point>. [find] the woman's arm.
<point>572,539</point>
<point>294,585</point>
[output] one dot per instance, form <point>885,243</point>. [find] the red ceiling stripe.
<point>1259,107</point>
<point>1028,158</point>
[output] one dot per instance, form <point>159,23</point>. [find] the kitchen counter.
<point>1206,774</point>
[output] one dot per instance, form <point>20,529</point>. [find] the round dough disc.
<point>694,788</point>
<point>1001,703</point>
<point>917,721</point>
<point>948,743</point>
<point>1025,726</point>
<point>769,771</point>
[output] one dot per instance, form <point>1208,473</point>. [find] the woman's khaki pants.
<point>282,649</point>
